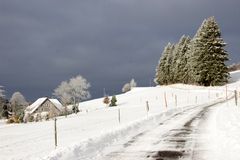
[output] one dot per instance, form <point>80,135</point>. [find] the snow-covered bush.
<point>106,100</point>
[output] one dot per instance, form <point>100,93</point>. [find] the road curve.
<point>173,138</point>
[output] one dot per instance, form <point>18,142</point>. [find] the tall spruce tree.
<point>168,66</point>
<point>163,68</point>
<point>182,67</point>
<point>207,56</point>
<point>179,59</point>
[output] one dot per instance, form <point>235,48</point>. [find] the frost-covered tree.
<point>176,60</point>
<point>126,87</point>
<point>73,91</point>
<point>180,60</point>
<point>18,102</point>
<point>62,92</point>
<point>169,67</point>
<point>207,59</point>
<point>79,88</point>
<point>183,64</point>
<point>163,69</point>
<point>133,83</point>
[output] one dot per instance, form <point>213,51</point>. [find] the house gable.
<point>48,106</point>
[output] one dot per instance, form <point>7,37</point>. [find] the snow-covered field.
<point>86,134</point>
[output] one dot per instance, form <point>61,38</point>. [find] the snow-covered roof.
<point>57,103</point>
<point>30,109</point>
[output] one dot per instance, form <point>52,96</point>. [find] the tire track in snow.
<point>172,139</point>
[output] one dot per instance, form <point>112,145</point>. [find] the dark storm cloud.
<point>45,42</point>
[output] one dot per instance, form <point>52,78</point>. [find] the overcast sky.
<point>43,42</point>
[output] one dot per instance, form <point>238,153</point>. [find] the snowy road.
<point>174,138</point>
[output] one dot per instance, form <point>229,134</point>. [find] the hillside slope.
<point>97,126</point>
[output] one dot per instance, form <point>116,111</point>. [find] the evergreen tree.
<point>75,108</point>
<point>163,69</point>
<point>168,66</point>
<point>177,56</point>
<point>207,61</point>
<point>113,101</point>
<point>5,112</point>
<point>181,74</point>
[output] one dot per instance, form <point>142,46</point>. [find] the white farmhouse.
<point>43,108</point>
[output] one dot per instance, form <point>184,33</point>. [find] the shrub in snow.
<point>13,119</point>
<point>10,120</point>
<point>37,117</point>
<point>75,109</point>
<point>113,101</point>
<point>31,119</point>
<point>106,100</point>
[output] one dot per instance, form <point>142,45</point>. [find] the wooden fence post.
<point>226,93</point>
<point>55,131</point>
<point>196,99</point>
<point>119,116</point>
<point>147,107</point>
<point>208,94</point>
<point>165,99</point>
<point>176,100</point>
<point>235,95</point>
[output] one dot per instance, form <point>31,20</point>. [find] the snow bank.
<point>222,134</point>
